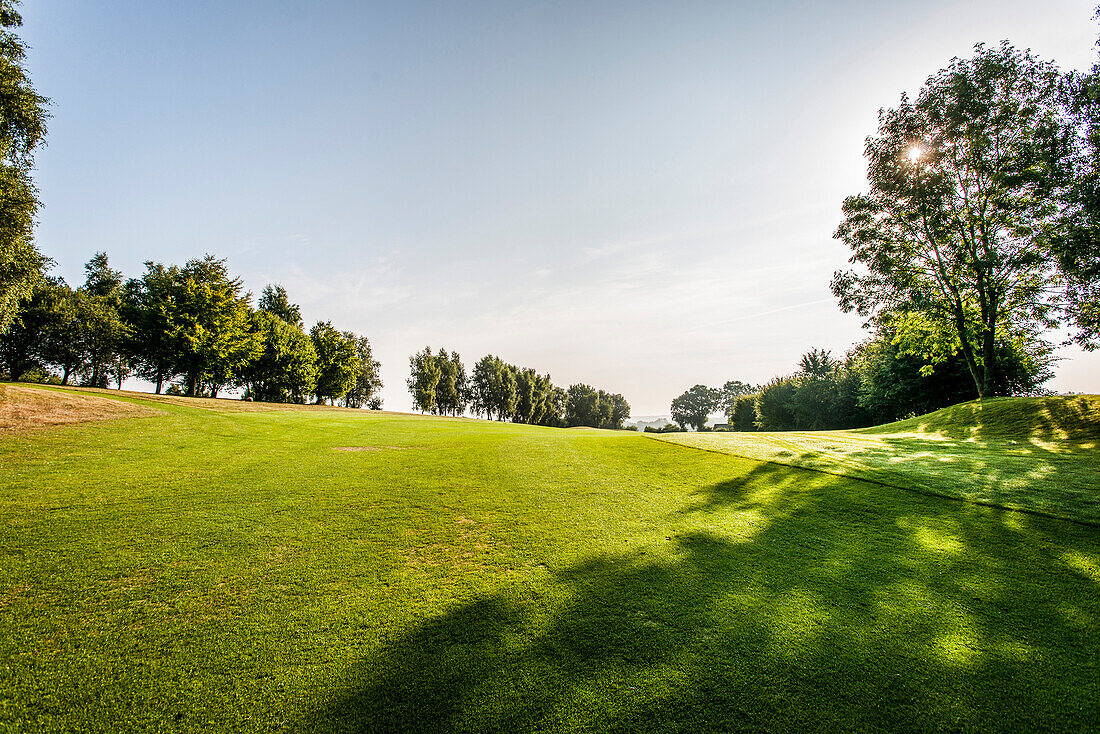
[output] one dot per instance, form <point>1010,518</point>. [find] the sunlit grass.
<point>1032,454</point>
<point>208,570</point>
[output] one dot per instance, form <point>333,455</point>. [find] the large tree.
<point>1077,243</point>
<point>210,326</point>
<point>100,313</point>
<point>964,194</point>
<point>694,406</point>
<point>285,370</point>
<point>22,128</point>
<point>148,309</point>
<point>337,361</point>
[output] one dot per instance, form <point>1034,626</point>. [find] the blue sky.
<point>638,195</point>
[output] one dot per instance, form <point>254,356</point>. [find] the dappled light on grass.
<point>237,573</point>
<point>1055,478</point>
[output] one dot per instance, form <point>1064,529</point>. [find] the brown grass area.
<point>23,408</point>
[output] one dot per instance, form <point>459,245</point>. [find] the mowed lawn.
<point>210,569</point>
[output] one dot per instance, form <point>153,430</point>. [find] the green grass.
<point>1038,455</point>
<point>207,570</point>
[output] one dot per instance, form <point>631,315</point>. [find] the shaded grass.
<point>205,570</point>
<point>1013,457</point>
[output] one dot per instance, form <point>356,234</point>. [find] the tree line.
<point>876,382</point>
<point>192,327</point>
<point>439,384</point>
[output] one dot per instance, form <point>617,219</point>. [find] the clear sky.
<point>636,195</point>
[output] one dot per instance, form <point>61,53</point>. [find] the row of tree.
<point>695,405</point>
<point>876,382</point>
<point>192,324</point>
<point>439,384</point>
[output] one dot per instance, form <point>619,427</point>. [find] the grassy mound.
<point>1052,418</point>
<point>217,570</point>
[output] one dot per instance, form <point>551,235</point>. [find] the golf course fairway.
<point>224,566</point>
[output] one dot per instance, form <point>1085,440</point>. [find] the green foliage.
<point>818,363</point>
<point>338,364</point>
<point>694,406</point>
<point>149,308</point>
<point>274,300</point>
<point>730,392</point>
<point>285,370</point>
<point>894,383</point>
<point>493,390</point>
<point>424,379</point>
<point>22,129</point>
<point>1075,243</point>
<point>743,416</point>
<point>210,326</point>
<point>620,411</point>
<point>962,202</point>
<point>99,310</point>
<point>582,406</point>
<point>775,407</point>
<point>368,381</point>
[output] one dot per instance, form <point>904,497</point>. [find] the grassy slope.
<point>209,570</point>
<point>1033,454</point>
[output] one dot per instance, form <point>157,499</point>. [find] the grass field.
<point>211,566</point>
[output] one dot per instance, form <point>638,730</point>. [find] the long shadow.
<point>843,610</point>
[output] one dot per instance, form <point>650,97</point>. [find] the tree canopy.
<point>22,129</point>
<point>694,406</point>
<point>953,236</point>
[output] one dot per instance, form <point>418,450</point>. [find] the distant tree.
<point>818,363</point>
<point>285,369</point>
<point>554,403</point>
<point>462,385</point>
<point>20,345</point>
<point>447,395</point>
<point>505,394</point>
<point>775,409</point>
<point>337,361</point>
<point>620,410</point>
<point>730,392</point>
<point>582,406</point>
<point>603,409</point>
<point>105,332</point>
<point>953,236</point>
<point>148,306</point>
<point>274,300</point>
<point>368,381</point>
<point>743,416</point>
<point>22,128</point>
<point>425,373</point>
<point>694,406</point>
<point>62,340</point>
<point>527,403</point>
<point>210,326</point>
<point>493,388</point>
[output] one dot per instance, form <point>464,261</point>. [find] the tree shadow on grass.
<point>809,603</point>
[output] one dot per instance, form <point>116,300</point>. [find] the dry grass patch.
<point>23,408</point>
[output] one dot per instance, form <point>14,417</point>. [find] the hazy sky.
<point>636,195</point>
